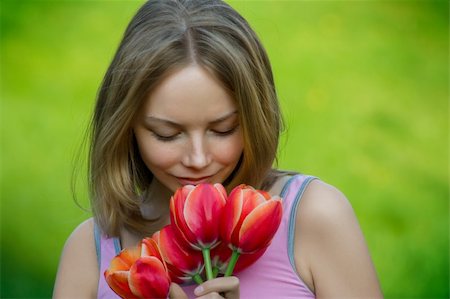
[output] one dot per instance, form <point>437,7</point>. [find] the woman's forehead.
<point>191,92</point>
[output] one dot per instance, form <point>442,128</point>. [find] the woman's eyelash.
<point>164,138</point>
<point>227,132</point>
<point>173,137</point>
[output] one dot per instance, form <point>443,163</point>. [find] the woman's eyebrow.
<point>223,118</point>
<point>152,119</point>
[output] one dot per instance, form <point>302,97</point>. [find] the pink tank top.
<point>274,275</point>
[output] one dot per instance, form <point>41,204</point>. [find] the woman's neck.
<point>154,208</point>
<point>156,201</point>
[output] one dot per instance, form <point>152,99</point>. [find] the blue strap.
<point>117,246</point>
<point>292,216</point>
<point>98,245</point>
<point>287,185</point>
<point>98,250</point>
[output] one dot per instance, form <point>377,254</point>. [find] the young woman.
<point>189,98</point>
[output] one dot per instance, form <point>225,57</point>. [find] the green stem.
<point>207,259</point>
<point>232,263</point>
<point>197,278</point>
<point>215,271</point>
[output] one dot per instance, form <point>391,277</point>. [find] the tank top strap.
<point>291,195</point>
<point>106,249</point>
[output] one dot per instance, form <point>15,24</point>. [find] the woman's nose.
<point>197,155</point>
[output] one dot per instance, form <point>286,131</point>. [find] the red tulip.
<point>249,221</point>
<point>196,212</point>
<point>139,272</point>
<point>183,262</point>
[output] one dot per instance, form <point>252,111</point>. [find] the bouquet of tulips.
<point>210,234</point>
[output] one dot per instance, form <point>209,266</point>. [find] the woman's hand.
<point>222,287</point>
<point>176,292</point>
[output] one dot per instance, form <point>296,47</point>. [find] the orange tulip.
<point>195,212</point>
<point>117,274</point>
<point>183,262</point>
<point>139,272</point>
<point>249,221</point>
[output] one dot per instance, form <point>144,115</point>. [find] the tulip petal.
<point>177,253</point>
<point>202,212</point>
<point>249,199</point>
<point>231,214</point>
<point>125,259</point>
<point>252,199</point>
<point>260,226</point>
<point>150,248</point>
<point>177,203</point>
<point>176,275</point>
<point>221,189</point>
<point>117,274</point>
<point>148,278</point>
<point>118,282</point>
<point>266,194</point>
<point>155,237</point>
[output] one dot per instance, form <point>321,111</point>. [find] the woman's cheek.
<point>229,151</point>
<point>161,156</point>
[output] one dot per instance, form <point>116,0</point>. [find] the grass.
<point>364,88</point>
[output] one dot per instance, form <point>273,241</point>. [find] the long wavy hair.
<point>165,35</point>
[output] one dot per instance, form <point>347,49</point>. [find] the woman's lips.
<point>193,181</point>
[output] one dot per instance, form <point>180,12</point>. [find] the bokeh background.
<point>364,89</point>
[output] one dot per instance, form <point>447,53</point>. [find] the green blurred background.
<point>364,89</point>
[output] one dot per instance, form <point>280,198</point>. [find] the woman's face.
<point>188,131</point>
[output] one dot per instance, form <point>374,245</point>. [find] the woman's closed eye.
<point>165,137</point>
<point>225,132</point>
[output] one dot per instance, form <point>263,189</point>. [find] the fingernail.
<point>198,290</point>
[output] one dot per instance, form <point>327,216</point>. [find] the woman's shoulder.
<point>331,246</point>
<point>324,210</point>
<point>324,201</point>
<point>82,236</point>
<point>84,229</point>
<point>78,263</point>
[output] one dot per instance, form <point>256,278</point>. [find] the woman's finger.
<point>213,295</point>
<point>228,287</point>
<point>176,292</point>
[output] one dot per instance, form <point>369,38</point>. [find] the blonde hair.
<point>165,35</point>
